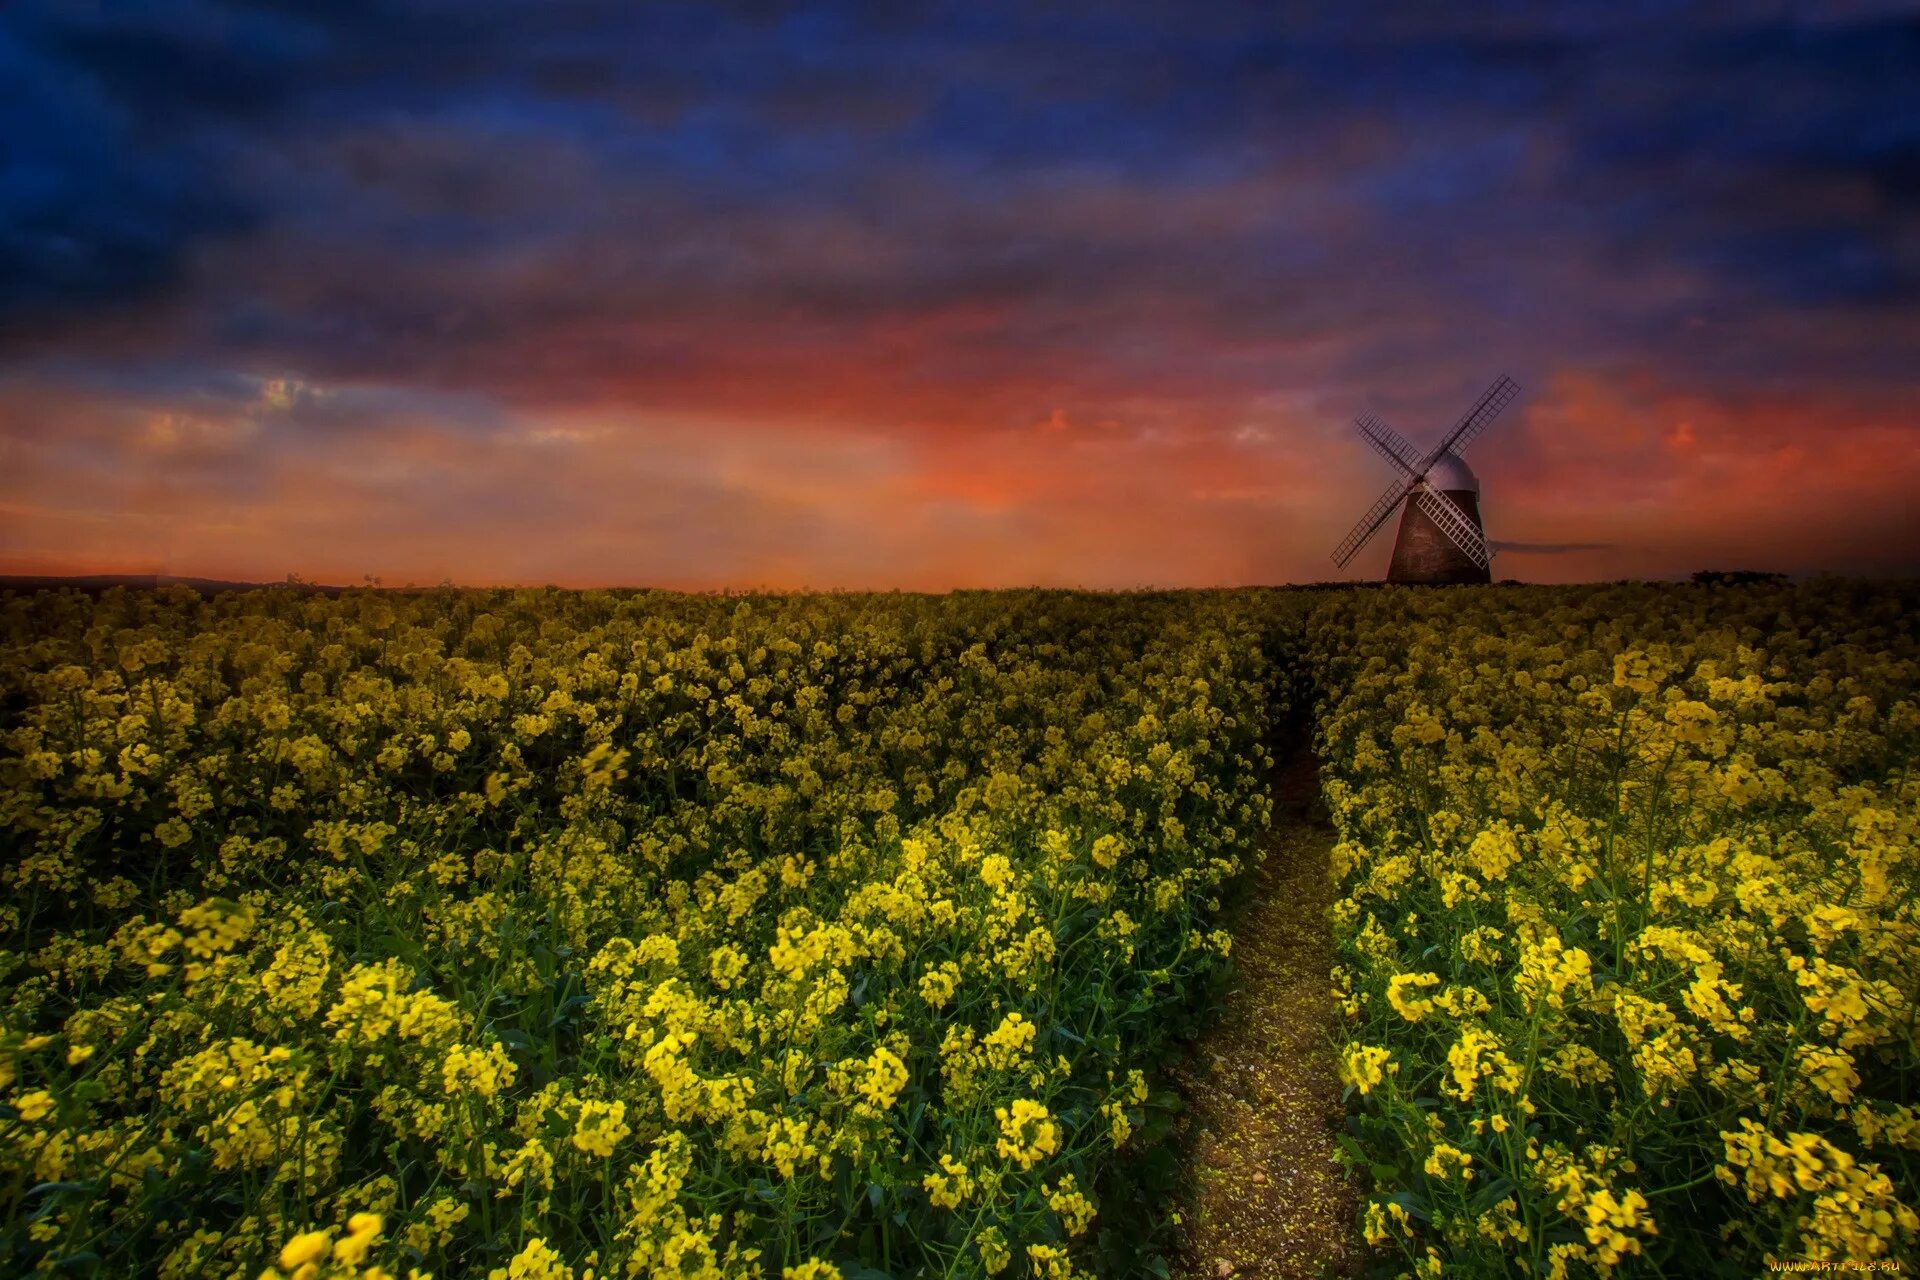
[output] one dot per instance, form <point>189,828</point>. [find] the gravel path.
<point>1268,1200</point>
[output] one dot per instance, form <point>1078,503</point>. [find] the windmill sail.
<point>1455,523</point>
<point>1390,444</point>
<point>1376,516</point>
<point>1483,413</point>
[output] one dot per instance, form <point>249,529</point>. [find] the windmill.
<point>1440,537</point>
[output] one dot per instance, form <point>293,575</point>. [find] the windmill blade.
<point>1376,516</point>
<point>1484,411</point>
<point>1456,524</point>
<point>1390,444</point>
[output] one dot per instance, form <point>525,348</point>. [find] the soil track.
<point>1267,1199</point>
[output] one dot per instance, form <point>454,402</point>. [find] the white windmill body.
<point>1441,539</point>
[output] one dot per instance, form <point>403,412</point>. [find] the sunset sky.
<point>929,296</point>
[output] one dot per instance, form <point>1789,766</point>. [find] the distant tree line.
<point>1736,577</point>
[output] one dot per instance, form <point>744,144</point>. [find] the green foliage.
<point>648,933</point>
<point>1631,934</point>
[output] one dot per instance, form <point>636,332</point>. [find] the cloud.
<point>92,210</point>
<point>1085,294</point>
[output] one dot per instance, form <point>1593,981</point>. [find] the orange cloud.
<point>1601,476</point>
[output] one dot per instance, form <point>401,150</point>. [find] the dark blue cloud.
<point>1781,157</point>
<point>406,191</point>
<point>91,209</point>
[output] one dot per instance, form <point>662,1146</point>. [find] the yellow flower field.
<point>1630,935</point>
<point>542,934</point>
<point>559,934</point>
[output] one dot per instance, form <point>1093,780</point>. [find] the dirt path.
<point>1267,1199</point>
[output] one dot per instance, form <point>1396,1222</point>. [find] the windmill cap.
<point>1451,474</point>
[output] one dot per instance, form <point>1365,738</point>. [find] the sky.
<point>926,296</point>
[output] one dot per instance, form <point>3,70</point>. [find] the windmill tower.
<point>1440,537</point>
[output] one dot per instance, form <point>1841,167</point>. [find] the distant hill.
<point>95,583</point>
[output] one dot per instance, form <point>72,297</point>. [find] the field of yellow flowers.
<point>542,934</point>
<point>1630,934</point>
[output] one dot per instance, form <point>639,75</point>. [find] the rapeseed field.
<point>1630,933</point>
<point>536,934</point>
<point>540,934</point>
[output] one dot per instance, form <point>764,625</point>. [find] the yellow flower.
<point>1366,1066</point>
<point>1608,1220</point>
<point>1385,1221</point>
<point>937,985</point>
<point>304,1248</point>
<point>950,1187</point>
<point>1550,971</point>
<point>600,1127</point>
<point>994,1254</point>
<point>1444,1161</point>
<point>1009,1044</point>
<point>1027,1133</point>
<point>483,1072</point>
<point>1474,1056</point>
<point>33,1105</point>
<point>1075,1210</point>
<point>536,1261</point>
<point>811,1269</point>
<point>1411,1008</point>
<point>362,1230</point>
<point>885,1076</point>
<point>1049,1261</point>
